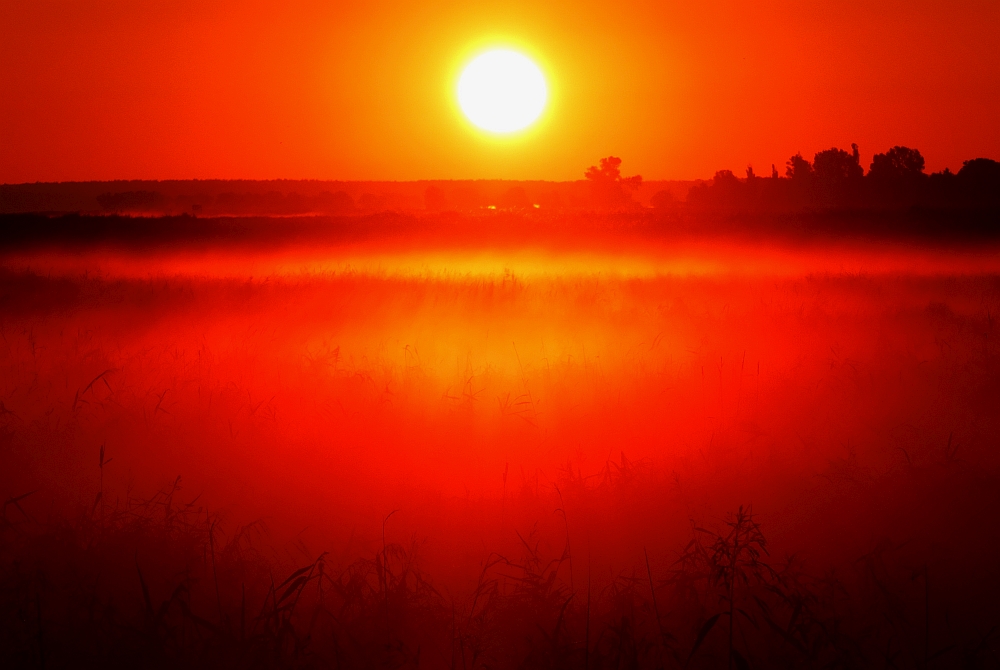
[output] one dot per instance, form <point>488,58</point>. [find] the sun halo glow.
<point>502,91</point>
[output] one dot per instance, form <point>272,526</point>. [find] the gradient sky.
<point>129,89</point>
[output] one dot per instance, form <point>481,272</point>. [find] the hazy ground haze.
<point>598,397</point>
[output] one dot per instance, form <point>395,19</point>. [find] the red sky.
<point>118,89</point>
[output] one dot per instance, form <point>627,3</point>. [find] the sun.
<point>502,91</point>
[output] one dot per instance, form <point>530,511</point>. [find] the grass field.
<point>607,453</point>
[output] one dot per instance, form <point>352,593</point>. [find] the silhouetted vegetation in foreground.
<point>161,583</point>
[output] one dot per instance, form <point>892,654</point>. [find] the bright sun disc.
<point>502,91</point>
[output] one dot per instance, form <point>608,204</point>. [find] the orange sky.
<point>115,89</point>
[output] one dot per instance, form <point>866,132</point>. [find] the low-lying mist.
<point>577,417</point>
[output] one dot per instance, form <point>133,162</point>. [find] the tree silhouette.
<point>979,182</point>
<point>897,164</point>
<point>836,165</point>
<point>607,185</point>
<point>797,190</point>
<point>798,168</point>
<point>728,186</point>
<point>895,177</point>
<point>838,176</point>
<point>981,170</point>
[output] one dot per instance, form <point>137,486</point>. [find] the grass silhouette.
<point>71,597</point>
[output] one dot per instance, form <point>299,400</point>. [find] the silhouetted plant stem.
<point>652,593</point>
<point>586,636</point>
<point>243,612</point>
<point>215,572</point>
<point>732,591</point>
<point>385,581</point>
<point>41,633</point>
<point>569,551</point>
<point>927,619</point>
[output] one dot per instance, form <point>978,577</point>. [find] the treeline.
<point>272,203</point>
<point>836,180</point>
<point>209,197</point>
<point>303,197</point>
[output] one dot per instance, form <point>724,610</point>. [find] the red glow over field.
<point>592,404</point>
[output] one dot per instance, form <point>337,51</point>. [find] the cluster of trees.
<point>836,179</point>
<point>608,188</point>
